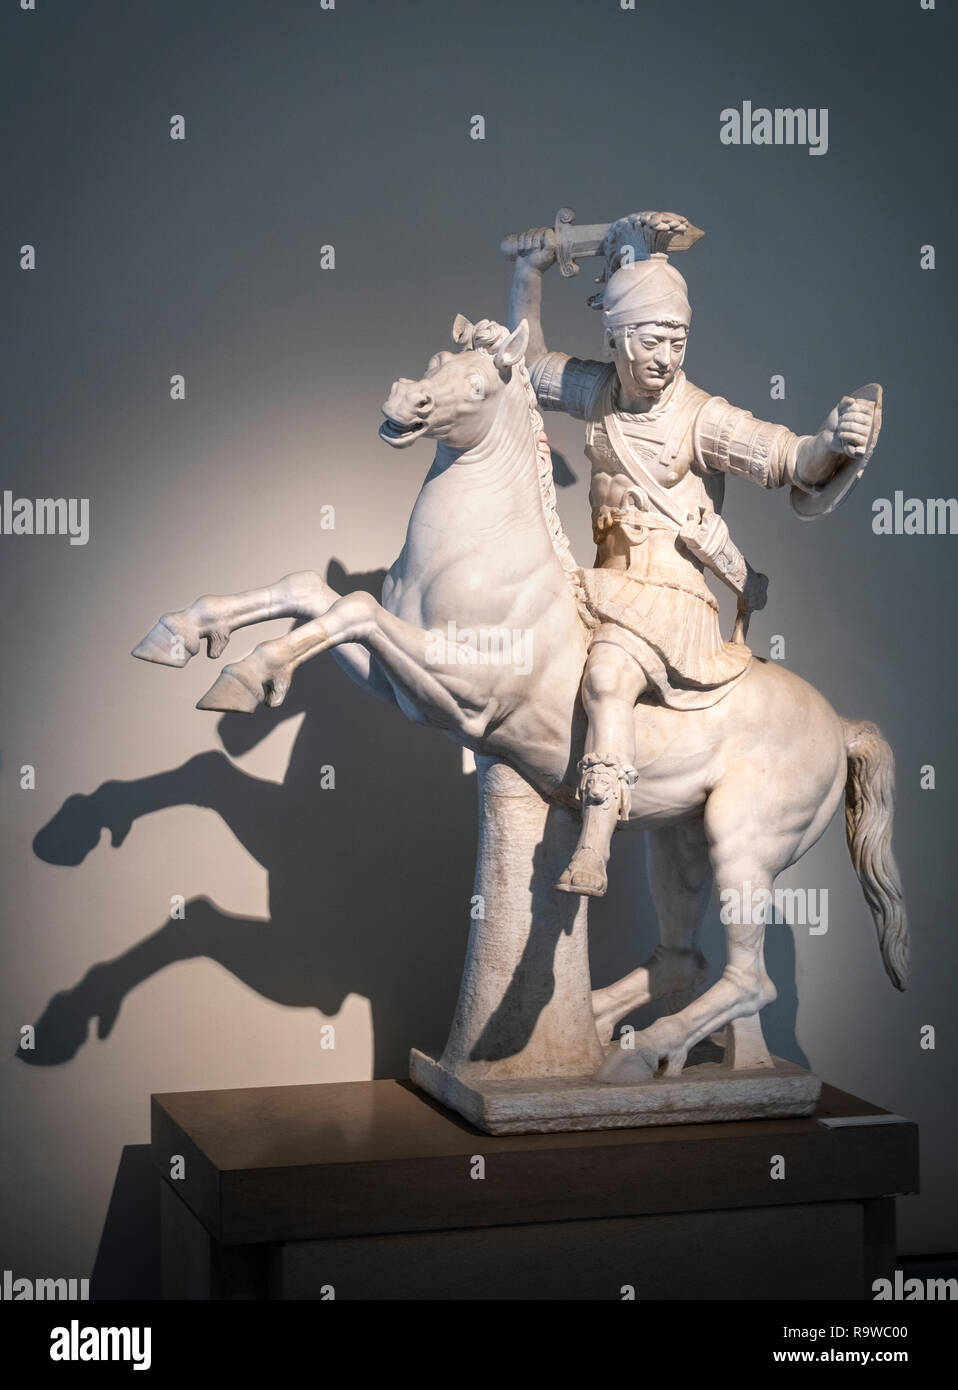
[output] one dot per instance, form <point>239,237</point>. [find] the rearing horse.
<point>735,793</point>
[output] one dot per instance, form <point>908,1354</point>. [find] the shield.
<point>809,505</point>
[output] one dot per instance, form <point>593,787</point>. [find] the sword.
<point>644,232</point>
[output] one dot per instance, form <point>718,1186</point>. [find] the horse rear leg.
<point>680,881</point>
<point>749,846</point>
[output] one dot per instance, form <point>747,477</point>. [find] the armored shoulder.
<point>569,383</point>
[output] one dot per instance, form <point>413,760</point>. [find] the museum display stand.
<point>372,1190</point>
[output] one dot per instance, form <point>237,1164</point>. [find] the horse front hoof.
<point>168,643</point>
<point>229,695</point>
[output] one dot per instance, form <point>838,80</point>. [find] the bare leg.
<point>680,880</point>
<point>611,684</point>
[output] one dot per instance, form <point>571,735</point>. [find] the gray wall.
<point>351,127</point>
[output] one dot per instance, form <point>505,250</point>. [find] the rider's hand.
<point>537,248</point>
<point>850,426</point>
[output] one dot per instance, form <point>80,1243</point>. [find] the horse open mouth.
<point>398,434</point>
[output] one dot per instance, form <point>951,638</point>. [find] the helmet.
<point>649,291</point>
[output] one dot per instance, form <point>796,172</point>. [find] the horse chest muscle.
<point>462,563</point>
<point>463,591</point>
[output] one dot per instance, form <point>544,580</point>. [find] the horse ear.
<point>513,348</point>
<point>462,329</point>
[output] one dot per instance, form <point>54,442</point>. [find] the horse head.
<point>461,393</point>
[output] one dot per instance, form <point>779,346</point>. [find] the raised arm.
<point>536,253</point>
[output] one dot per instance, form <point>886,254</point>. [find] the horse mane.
<point>487,336</point>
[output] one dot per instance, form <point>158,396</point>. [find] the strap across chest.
<point>607,431</point>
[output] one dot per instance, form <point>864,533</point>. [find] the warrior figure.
<point>659,449</point>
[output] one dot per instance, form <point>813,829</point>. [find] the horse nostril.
<point>424,403</point>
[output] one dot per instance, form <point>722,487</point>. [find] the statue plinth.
<point>705,1093</point>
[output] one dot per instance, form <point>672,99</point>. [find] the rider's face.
<point>647,356</point>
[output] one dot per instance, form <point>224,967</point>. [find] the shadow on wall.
<point>369,883</point>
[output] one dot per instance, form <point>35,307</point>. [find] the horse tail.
<point>869,810</point>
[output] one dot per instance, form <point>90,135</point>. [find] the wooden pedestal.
<point>371,1190</point>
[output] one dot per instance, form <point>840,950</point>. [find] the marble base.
<point>705,1093</point>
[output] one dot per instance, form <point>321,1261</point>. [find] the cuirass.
<point>615,482</point>
<point>660,442</point>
